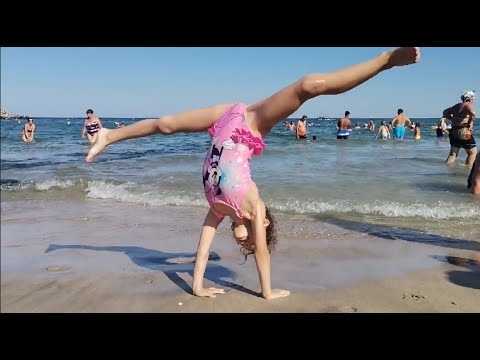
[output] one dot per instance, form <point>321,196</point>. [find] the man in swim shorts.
<point>343,126</point>
<point>399,123</point>
<point>462,116</point>
<point>302,128</point>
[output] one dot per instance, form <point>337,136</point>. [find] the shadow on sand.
<point>169,263</point>
<point>396,233</point>
<point>469,278</point>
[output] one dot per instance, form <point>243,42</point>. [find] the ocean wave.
<point>155,194</point>
<point>129,193</point>
<point>16,185</point>
<point>439,211</point>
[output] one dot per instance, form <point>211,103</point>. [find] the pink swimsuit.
<point>226,170</point>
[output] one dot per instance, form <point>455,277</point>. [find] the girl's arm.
<point>206,238</point>
<point>262,255</point>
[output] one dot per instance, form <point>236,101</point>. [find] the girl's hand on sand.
<point>210,292</point>
<point>276,293</point>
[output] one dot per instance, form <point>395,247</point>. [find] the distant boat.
<point>325,118</point>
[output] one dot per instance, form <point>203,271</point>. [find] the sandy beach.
<point>94,256</point>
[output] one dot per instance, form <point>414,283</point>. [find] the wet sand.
<point>94,256</point>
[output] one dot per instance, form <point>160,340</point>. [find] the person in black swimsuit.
<point>91,127</point>
<point>441,128</point>
<point>28,131</point>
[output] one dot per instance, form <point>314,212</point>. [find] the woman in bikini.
<point>28,131</point>
<point>238,132</point>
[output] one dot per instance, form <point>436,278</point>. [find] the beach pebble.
<point>414,296</point>
<point>180,303</point>
<point>451,302</point>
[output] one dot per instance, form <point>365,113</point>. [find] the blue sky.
<point>150,82</point>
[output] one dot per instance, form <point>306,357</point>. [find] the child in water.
<point>417,131</point>
<point>383,131</point>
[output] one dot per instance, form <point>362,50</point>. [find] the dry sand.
<point>109,257</point>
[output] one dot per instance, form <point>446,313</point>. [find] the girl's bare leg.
<point>190,121</point>
<point>267,113</point>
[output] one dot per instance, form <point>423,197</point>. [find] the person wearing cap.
<point>462,116</point>
<point>28,131</point>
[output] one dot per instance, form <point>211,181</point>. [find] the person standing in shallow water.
<point>343,126</point>
<point>441,127</point>
<point>302,128</point>
<point>383,131</point>
<point>462,116</point>
<point>91,127</point>
<point>237,133</point>
<point>417,131</point>
<point>399,123</point>
<point>28,131</point>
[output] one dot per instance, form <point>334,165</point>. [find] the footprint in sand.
<point>56,268</point>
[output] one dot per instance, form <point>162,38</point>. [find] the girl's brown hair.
<point>271,235</point>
